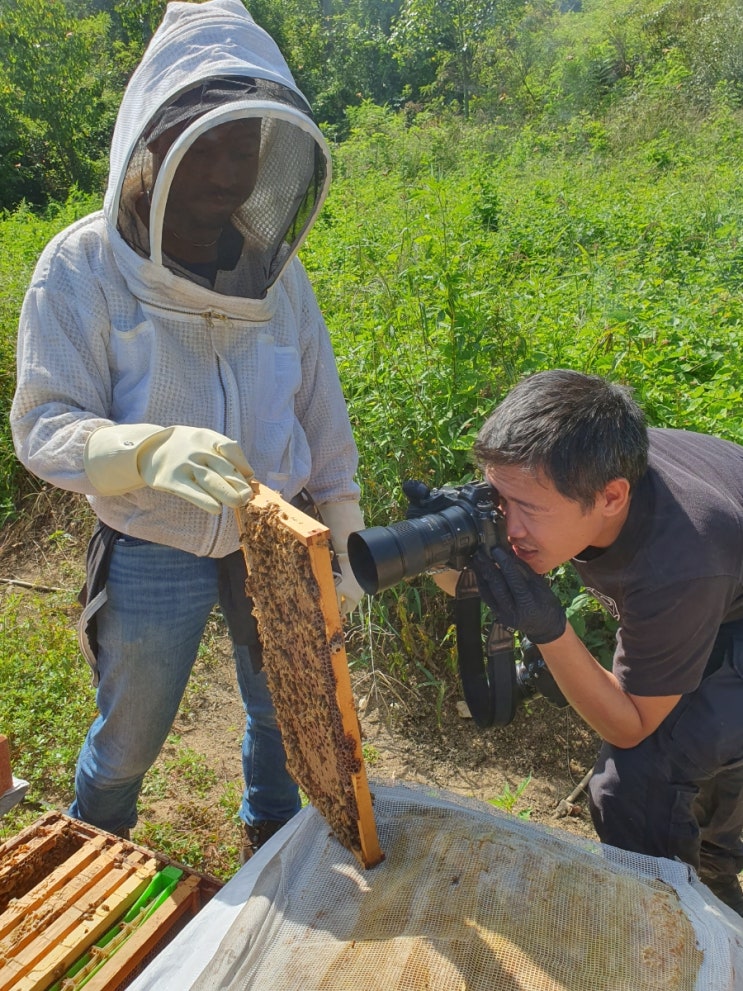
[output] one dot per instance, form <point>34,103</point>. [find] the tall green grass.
<point>445,278</point>
<point>46,703</point>
<point>452,258</point>
<point>23,235</point>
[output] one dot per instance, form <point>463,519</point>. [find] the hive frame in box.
<point>64,885</point>
<point>290,580</point>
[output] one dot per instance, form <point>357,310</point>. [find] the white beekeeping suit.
<point>129,334</point>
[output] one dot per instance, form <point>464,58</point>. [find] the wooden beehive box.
<point>290,581</point>
<point>79,906</point>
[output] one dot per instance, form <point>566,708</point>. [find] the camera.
<point>533,677</point>
<point>444,528</point>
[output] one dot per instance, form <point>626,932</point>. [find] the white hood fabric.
<point>207,65</point>
<point>195,41</point>
<point>114,331</point>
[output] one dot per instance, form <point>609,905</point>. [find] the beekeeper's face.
<point>217,174</point>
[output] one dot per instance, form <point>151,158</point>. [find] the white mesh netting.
<point>467,898</point>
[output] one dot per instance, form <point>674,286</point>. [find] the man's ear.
<point>614,498</point>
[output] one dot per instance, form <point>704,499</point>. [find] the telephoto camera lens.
<point>381,556</point>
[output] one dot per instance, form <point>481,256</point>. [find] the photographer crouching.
<point>652,521</point>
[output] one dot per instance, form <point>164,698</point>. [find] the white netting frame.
<point>311,875</point>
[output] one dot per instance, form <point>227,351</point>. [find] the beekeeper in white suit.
<point>170,349</point>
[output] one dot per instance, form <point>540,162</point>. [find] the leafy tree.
<point>714,43</point>
<point>436,44</point>
<point>338,52</point>
<point>134,21</point>
<point>58,94</point>
<point>64,64</point>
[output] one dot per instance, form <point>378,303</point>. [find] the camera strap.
<point>488,673</point>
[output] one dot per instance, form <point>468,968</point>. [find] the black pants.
<point>679,793</point>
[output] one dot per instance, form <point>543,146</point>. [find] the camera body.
<point>445,527</point>
<point>533,677</point>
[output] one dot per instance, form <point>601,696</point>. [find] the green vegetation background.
<point>560,186</point>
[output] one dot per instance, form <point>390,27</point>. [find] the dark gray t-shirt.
<point>675,573</point>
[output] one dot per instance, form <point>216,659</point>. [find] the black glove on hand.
<point>519,598</point>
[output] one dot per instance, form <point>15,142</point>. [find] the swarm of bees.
<point>291,585</point>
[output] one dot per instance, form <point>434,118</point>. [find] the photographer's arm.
<point>621,719</point>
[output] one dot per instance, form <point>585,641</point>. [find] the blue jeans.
<point>149,629</point>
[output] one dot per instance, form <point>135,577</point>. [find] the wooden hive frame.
<point>290,580</point>
<point>64,885</point>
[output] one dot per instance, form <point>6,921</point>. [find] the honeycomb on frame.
<point>290,581</point>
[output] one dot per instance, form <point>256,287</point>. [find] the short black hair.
<point>581,431</point>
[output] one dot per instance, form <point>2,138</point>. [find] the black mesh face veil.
<point>287,183</point>
<point>195,102</point>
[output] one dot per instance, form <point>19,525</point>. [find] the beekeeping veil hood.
<point>208,66</point>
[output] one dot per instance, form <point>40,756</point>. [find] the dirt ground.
<point>545,752</point>
<point>530,767</point>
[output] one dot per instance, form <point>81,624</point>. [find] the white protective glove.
<point>342,519</point>
<point>199,465</point>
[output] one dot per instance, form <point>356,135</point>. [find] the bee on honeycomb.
<point>290,582</point>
